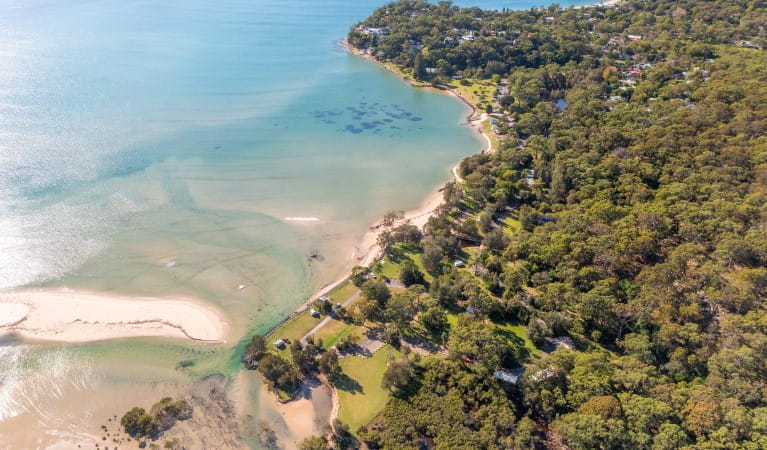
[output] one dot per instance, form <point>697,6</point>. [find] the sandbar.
<point>65,315</point>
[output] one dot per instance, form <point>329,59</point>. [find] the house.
<point>431,71</point>
<point>458,263</point>
<point>616,41</point>
<point>279,343</point>
<point>469,37</point>
<point>748,44</point>
<point>415,46</point>
<point>374,31</point>
<point>530,177</point>
<point>541,375</point>
<point>471,310</point>
<point>466,238</point>
<point>634,37</point>
<point>314,312</point>
<point>509,376</point>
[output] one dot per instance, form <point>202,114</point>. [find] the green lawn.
<point>398,254</point>
<point>517,333</point>
<point>297,327</point>
<point>342,292</point>
<point>469,253</point>
<point>417,331</point>
<point>333,331</point>
<point>511,225</point>
<point>476,92</point>
<point>360,395</point>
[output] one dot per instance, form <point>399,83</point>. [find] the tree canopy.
<point>632,160</point>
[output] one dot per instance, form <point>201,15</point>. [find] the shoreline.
<point>69,316</point>
<point>75,316</point>
<point>366,251</point>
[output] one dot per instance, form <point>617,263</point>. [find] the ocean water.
<point>160,148</point>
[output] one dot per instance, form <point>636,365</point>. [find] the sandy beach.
<point>75,316</point>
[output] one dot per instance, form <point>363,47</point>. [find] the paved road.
<point>327,319</point>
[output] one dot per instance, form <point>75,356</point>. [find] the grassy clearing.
<point>333,331</point>
<point>406,73</point>
<point>517,333</point>
<point>469,253</point>
<point>360,395</point>
<point>399,253</point>
<point>511,225</point>
<point>417,331</point>
<point>342,292</point>
<point>477,92</point>
<point>297,327</point>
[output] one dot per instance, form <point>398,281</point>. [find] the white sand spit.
<point>77,316</point>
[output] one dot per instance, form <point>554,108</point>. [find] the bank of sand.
<point>77,316</point>
<point>308,415</point>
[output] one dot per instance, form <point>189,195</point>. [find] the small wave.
<point>29,379</point>
<point>302,219</point>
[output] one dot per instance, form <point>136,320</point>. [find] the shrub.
<point>138,423</point>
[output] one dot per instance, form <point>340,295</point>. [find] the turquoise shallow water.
<point>157,148</point>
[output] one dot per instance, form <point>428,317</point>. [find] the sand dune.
<point>76,316</point>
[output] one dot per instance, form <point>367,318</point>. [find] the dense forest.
<point>622,221</point>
